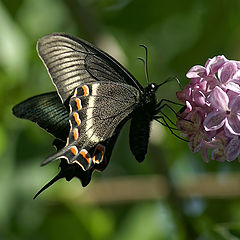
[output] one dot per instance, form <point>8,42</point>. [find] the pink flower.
<point>211,119</point>
<point>232,149</point>
<point>229,76</point>
<point>225,112</point>
<point>214,64</point>
<point>190,128</point>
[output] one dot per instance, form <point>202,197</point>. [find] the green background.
<point>173,194</point>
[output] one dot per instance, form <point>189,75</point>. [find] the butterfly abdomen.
<point>139,134</point>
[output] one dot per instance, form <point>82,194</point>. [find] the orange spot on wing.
<point>74,150</point>
<point>76,118</point>
<point>75,134</point>
<point>85,90</point>
<point>79,104</point>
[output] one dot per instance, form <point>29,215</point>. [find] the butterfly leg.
<point>170,128</point>
<point>164,115</point>
<point>161,105</point>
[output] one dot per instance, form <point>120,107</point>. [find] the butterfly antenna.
<point>55,179</point>
<point>168,80</point>
<point>178,81</point>
<point>145,62</point>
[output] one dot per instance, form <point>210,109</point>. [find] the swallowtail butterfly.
<point>95,97</point>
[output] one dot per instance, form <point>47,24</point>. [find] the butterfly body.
<point>140,123</point>
<point>95,97</point>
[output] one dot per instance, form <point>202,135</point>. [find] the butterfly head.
<point>149,95</point>
<point>151,88</point>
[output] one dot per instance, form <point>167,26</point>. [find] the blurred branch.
<point>152,187</point>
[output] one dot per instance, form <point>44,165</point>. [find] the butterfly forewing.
<point>96,109</point>
<point>71,61</point>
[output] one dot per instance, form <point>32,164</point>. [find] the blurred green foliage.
<point>179,34</point>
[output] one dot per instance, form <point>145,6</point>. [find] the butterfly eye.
<point>153,86</point>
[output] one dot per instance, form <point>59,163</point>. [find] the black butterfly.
<point>95,97</point>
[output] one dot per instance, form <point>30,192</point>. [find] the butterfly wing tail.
<point>56,178</point>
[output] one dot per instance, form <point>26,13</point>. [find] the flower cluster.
<point>211,119</point>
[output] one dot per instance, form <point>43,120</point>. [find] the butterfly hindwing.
<point>72,61</point>
<point>47,111</point>
<point>68,171</point>
<point>96,111</point>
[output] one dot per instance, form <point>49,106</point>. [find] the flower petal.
<point>237,74</point>
<point>186,126</point>
<point>212,82</point>
<point>232,150</point>
<point>212,65</point>
<point>227,71</point>
<point>231,85</point>
<point>198,97</point>
<point>195,142</point>
<point>189,106</point>
<point>214,121</point>
<point>204,154</point>
<point>184,94</point>
<point>233,124</point>
<point>196,72</point>
<point>218,155</point>
<point>219,99</point>
<point>234,105</point>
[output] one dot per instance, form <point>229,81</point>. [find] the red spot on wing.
<point>98,154</point>
<point>86,155</point>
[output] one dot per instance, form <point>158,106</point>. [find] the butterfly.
<point>95,97</point>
